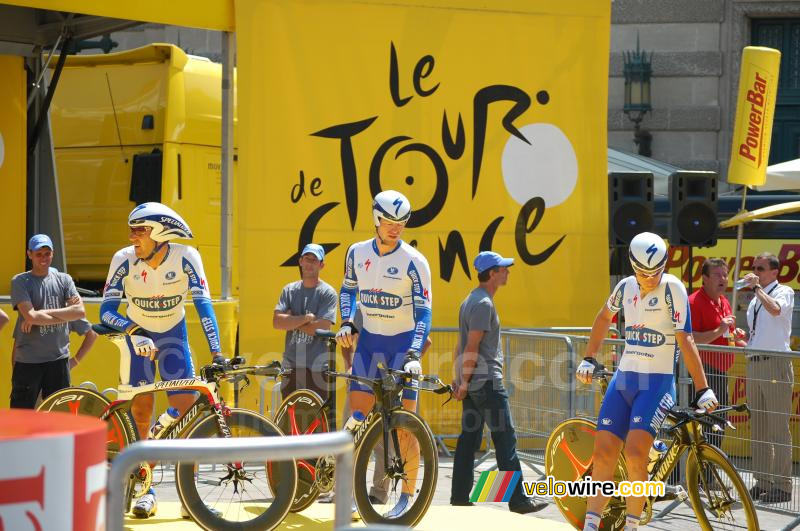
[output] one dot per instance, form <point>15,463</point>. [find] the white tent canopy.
<point>782,176</point>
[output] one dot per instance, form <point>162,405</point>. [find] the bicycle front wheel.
<point>223,495</point>
<point>568,457</point>
<point>401,486</point>
<point>718,494</point>
<point>301,413</point>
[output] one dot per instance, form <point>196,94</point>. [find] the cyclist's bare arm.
<point>287,321</point>
<point>599,331</point>
<point>692,359</point>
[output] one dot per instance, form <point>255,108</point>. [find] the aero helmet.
<point>392,206</point>
<point>165,222</point>
<point>648,253</point>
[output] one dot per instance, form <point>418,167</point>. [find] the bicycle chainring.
<point>325,469</point>
<point>144,479</point>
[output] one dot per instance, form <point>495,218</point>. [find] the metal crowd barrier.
<point>539,374</point>
<point>339,443</point>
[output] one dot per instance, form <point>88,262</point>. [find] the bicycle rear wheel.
<point>412,468</point>
<point>718,494</point>
<point>301,413</point>
<point>121,429</point>
<point>568,457</point>
<point>240,491</point>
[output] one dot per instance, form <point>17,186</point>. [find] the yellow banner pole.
<point>737,264</point>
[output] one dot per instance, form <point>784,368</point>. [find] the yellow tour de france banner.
<point>13,113</point>
<point>491,120</point>
<point>755,110</point>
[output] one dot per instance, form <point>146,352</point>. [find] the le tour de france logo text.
<point>550,155</point>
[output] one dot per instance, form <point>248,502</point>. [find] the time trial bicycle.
<point>718,495</point>
<point>399,439</point>
<point>220,496</point>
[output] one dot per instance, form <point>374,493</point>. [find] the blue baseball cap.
<point>38,241</point>
<point>489,259</point>
<point>314,249</point>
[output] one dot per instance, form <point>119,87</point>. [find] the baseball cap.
<point>38,241</point>
<point>314,249</point>
<point>489,259</point>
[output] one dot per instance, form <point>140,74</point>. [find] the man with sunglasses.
<point>156,277</point>
<point>769,381</point>
<point>657,327</point>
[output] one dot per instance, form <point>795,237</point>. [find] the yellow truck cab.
<point>135,126</point>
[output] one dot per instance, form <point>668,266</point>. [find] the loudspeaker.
<point>693,204</point>
<point>630,205</point>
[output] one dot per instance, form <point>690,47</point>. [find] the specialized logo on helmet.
<point>638,335</point>
<point>380,299</point>
<point>651,252</point>
<point>157,304</point>
<point>397,203</point>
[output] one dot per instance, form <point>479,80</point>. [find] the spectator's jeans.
<point>487,404</point>
<point>27,379</point>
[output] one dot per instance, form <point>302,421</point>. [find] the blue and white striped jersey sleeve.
<point>677,301</point>
<point>113,292</point>
<point>615,300</point>
<point>349,292</point>
<point>192,266</point>
<point>420,274</point>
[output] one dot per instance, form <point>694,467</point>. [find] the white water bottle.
<point>741,284</point>
<point>354,421</point>
<point>166,418</point>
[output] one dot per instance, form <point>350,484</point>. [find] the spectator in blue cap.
<point>304,306</point>
<point>479,386</point>
<point>46,301</point>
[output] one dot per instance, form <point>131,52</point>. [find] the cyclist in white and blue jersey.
<point>156,277</point>
<point>657,326</point>
<point>391,281</point>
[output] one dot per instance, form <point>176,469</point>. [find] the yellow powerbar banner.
<point>491,121</point>
<point>755,110</point>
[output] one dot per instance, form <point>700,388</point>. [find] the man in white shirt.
<point>769,381</point>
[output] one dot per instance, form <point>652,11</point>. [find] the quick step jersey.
<point>393,291</point>
<point>651,322</point>
<point>156,296</point>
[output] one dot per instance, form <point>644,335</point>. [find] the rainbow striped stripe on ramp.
<point>495,486</point>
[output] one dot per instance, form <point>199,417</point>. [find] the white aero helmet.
<point>165,222</point>
<point>392,206</point>
<point>648,253</point>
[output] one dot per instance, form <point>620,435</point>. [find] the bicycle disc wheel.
<point>568,457</point>
<point>301,413</point>
<point>412,469</point>
<point>239,491</point>
<point>718,494</point>
<point>121,429</point>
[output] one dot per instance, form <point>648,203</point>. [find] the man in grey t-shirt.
<point>45,300</point>
<point>479,386</point>
<point>305,306</point>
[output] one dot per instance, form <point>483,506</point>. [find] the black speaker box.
<point>630,205</point>
<point>693,205</point>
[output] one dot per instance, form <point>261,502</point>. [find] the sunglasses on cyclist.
<point>644,275</point>
<point>139,230</point>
